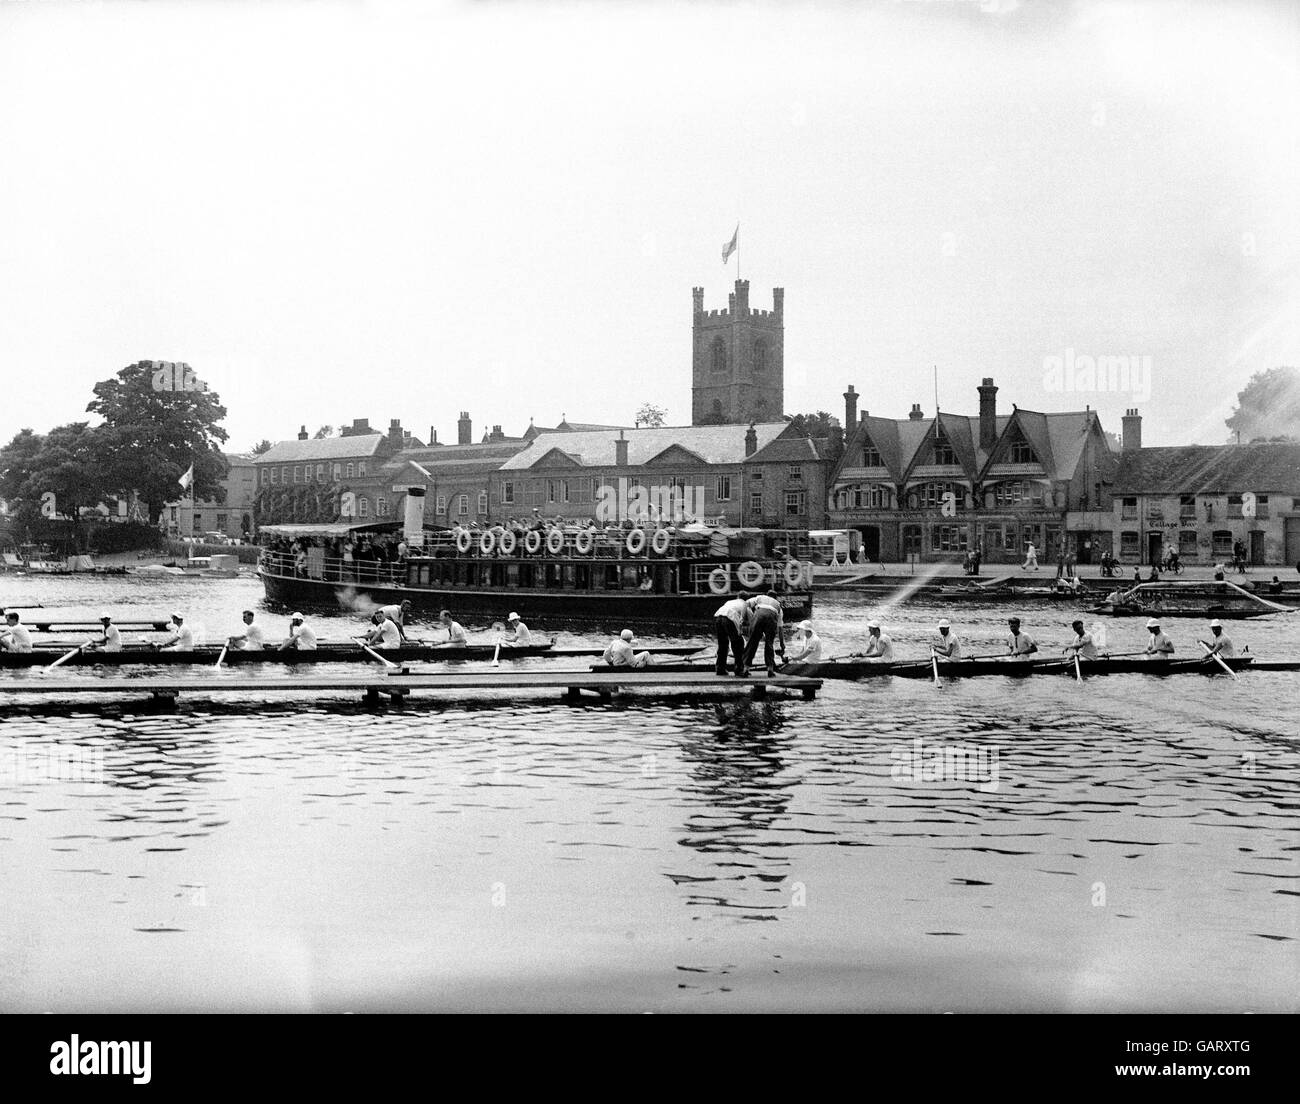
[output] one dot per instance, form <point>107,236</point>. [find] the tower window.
<point>719,355</point>
<point>717,411</point>
<point>760,356</point>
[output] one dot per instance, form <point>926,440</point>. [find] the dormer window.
<point>871,456</point>
<point>1021,453</point>
<point>943,453</point>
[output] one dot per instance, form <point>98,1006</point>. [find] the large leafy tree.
<point>1269,407</point>
<point>67,462</point>
<point>152,436</point>
<point>822,425</point>
<point>650,416</point>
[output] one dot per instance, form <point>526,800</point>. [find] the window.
<point>507,494</point>
<point>724,488</point>
<point>482,502</point>
<point>1261,506</point>
<point>320,473</point>
<point>1021,453</point>
<point>266,477</point>
<point>871,456</point>
<point>1017,492</point>
<point>1234,506</point>
<point>1128,510</point>
<point>584,492</point>
<point>338,472</point>
<point>557,490</point>
<point>1128,543</point>
<point>930,496</point>
<point>756,502</point>
<point>275,475</point>
<point>943,453</point>
<point>222,520</point>
<point>284,474</point>
<point>197,522</point>
<point>351,470</point>
<point>796,502</point>
<point>381,506</point>
<point>676,483</point>
<point>440,504</point>
<point>1187,507</point>
<point>1222,542</point>
<point>462,505</point>
<point>174,513</point>
<point>297,473</point>
<point>948,538</point>
<point>363,506</point>
<point>361,467</point>
<point>1186,543</point>
<point>760,355</point>
<point>796,473</point>
<point>718,355</point>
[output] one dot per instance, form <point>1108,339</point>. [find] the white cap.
<point>1216,624</point>
<point>873,624</point>
<point>944,624</point>
<point>805,625</point>
<point>1152,623</point>
<point>513,617</point>
<point>626,634</point>
<point>296,617</point>
<point>106,617</point>
<point>178,617</point>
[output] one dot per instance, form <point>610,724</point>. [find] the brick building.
<point>233,518</point>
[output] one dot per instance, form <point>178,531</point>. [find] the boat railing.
<point>756,576</point>
<point>313,564</point>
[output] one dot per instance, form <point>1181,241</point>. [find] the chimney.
<point>302,433</point>
<point>464,429</point>
<point>751,440</point>
<point>988,414</point>
<point>395,432</point>
<point>850,408</point>
<point>915,414</point>
<point>1132,438</point>
<point>620,451</point>
<point>496,434</point>
<point>433,435</point>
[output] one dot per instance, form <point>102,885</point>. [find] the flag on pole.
<point>730,247</point>
<point>187,479</point>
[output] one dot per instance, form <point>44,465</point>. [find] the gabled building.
<point>935,487</point>
<point>785,484</point>
<point>1204,499</point>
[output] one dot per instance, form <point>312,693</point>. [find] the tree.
<point>650,416</point>
<point>152,436</point>
<point>262,446</point>
<point>68,462</point>
<point>324,431</point>
<point>822,425</point>
<point>1268,407</point>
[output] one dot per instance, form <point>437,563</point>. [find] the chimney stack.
<point>302,433</point>
<point>464,429</point>
<point>395,432</point>
<point>620,451</point>
<point>915,414</point>
<point>988,414</point>
<point>751,440</point>
<point>850,408</point>
<point>1132,438</point>
<point>433,435</point>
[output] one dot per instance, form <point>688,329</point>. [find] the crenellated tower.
<point>738,365</point>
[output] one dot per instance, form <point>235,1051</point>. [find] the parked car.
<point>217,538</point>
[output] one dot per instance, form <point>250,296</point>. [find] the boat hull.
<point>1002,668</point>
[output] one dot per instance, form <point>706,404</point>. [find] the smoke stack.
<point>464,429</point>
<point>988,414</point>
<point>1132,439</point>
<point>850,407</point>
<point>302,433</point>
<point>620,451</point>
<point>413,521</point>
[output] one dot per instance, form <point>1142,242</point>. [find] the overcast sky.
<point>344,210</point>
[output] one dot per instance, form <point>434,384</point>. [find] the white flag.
<point>730,247</point>
<point>187,479</point>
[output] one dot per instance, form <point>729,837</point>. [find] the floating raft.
<point>398,686</point>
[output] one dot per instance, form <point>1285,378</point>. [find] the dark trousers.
<point>763,628</point>
<point>728,637</point>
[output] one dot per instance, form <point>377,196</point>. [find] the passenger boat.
<point>554,575</point>
<point>1224,600</point>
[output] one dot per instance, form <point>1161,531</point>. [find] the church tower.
<point>738,365</point>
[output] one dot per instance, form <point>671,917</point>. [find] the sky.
<point>385,210</point>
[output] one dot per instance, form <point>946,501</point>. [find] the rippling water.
<point>1124,844</point>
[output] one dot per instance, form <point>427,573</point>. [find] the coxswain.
<point>455,631</point>
<point>301,637</point>
<point>1019,645</point>
<point>1082,645</point>
<point>1159,645</point>
<point>111,641</point>
<point>397,614</point>
<point>944,643</point>
<point>519,636</point>
<point>386,634</point>
<point>251,639</point>
<point>14,637</point>
<point>879,646</point>
<point>181,639</point>
<point>1220,643</point>
<point>1275,587</point>
<point>766,625</point>
<point>728,619</point>
<point>808,643</point>
<point>621,652</point>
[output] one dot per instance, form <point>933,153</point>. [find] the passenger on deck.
<point>944,643</point>
<point>728,619</point>
<point>1275,587</point>
<point>398,614</point>
<point>519,636</point>
<point>14,637</point>
<point>1019,645</point>
<point>1220,644</point>
<point>621,652</point>
<point>1082,645</point>
<point>301,637</point>
<point>455,631</point>
<point>808,643</point>
<point>181,639</point>
<point>111,641</point>
<point>1159,646</point>
<point>386,634</point>
<point>879,645</point>
<point>766,624</point>
<point>250,640</point>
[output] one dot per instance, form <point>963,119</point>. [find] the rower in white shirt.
<point>14,637</point>
<point>1019,645</point>
<point>1159,646</point>
<point>621,652</point>
<point>397,614</point>
<point>455,631</point>
<point>1082,645</point>
<point>807,643</point>
<point>111,641</point>
<point>879,645</point>
<point>944,643</point>
<point>1220,643</point>
<point>181,639</point>
<point>251,639</point>
<point>385,634</point>
<point>519,636</point>
<point>301,636</point>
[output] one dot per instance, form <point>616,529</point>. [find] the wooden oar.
<point>1219,659</point>
<point>222,657</point>
<point>62,659</point>
<point>934,664</point>
<point>496,655</point>
<point>1078,674</point>
<point>370,651</point>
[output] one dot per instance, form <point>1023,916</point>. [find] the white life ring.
<point>636,542</point>
<point>661,541</point>
<point>793,572</point>
<point>507,542</point>
<point>533,540</point>
<point>487,542</point>
<point>750,573</point>
<point>720,580</point>
<point>554,540</point>
<point>808,568</point>
<point>583,540</point>
<point>463,540</point>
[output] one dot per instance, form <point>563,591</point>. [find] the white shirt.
<point>1020,644</point>
<point>17,638</point>
<point>252,638</point>
<point>389,637</point>
<point>1160,644</point>
<point>521,636</point>
<point>733,611</point>
<point>304,638</point>
<point>182,639</point>
<point>880,647</point>
<point>456,633</point>
<point>948,647</point>
<point>393,613</point>
<point>1083,646</point>
<point>619,653</point>
<point>112,639</point>
<point>812,650</point>
<point>1222,645</point>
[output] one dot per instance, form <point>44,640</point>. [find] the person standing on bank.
<point>728,620</point>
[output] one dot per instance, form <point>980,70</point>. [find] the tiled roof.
<point>326,448</point>
<point>715,444</point>
<point>786,450</point>
<point>1210,469</point>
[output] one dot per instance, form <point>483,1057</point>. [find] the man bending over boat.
<point>728,619</point>
<point>181,639</point>
<point>621,652</point>
<point>1019,645</point>
<point>301,636</point>
<point>250,640</point>
<point>455,631</point>
<point>14,637</point>
<point>519,636</point>
<point>944,643</point>
<point>386,634</point>
<point>808,643</point>
<point>1220,644</point>
<point>766,624</point>
<point>398,614</point>
<point>1159,646</point>
<point>1082,645</point>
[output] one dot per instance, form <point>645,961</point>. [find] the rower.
<point>1159,645</point>
<point>181,639</point>
<point>1082,645</point>
<point>455,631</point>
<point>397,614</point>
<point>301,636</point>
<point>112,638</point>
<point>1019,645</point>
<point>1221,644</point>
<point>944,643</point>
<point>621,652</point>
<point>14,637</point>
<point>809,643</point>
<point>519,636</point>
<point>386,633</point>
<point>250,640</point>
<point>879,646</point>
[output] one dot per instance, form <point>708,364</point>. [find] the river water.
<point>1128,844</point>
